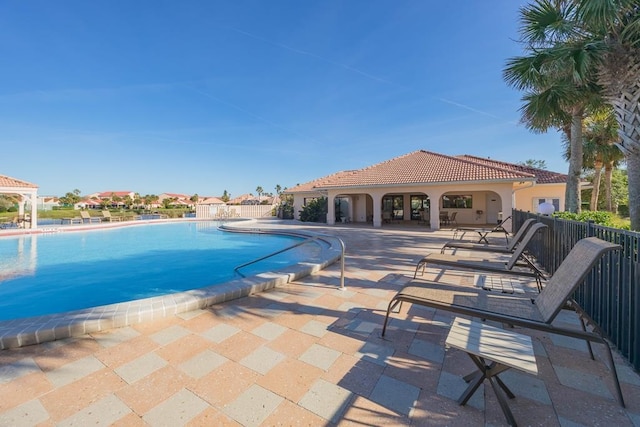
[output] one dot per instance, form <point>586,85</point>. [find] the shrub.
<point>314,211</point>
<point>623,210</point>
<point>599,217</point>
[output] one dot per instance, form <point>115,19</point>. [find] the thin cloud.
<point>466,107</point>
<point>316,56</point>
<point>254,115</point>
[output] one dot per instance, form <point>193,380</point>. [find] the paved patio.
<point>306,354</point>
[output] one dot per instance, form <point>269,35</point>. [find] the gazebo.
<point>27,191</point>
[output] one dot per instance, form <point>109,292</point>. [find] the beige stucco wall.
<point>526,198</point>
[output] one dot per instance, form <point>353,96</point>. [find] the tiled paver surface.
<point>306,354</point>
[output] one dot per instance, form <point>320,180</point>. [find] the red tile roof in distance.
<point>418,167</point>
<point>543,176</point>
<point>7,181</point>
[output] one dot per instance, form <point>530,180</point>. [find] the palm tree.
<point>600,136</point>
<point>259,190</point>
<point>555,97</point>
<point>601,38</point>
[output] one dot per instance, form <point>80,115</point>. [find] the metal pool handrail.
<point>295,245</point>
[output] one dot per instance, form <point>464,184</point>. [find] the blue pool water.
<point>52,273</point>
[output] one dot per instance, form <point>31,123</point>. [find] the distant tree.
<point>225,196</point>
<point>115,199</point>
<point>168,202</point>
<point>137,199</point>
<point>128,201</point>
<point>278,189</point>
<point>149,199</point>
<point>194,198</point>
<point>600,136</point>
<point>259,190</point>
<point>534,163</point>
<point>70,198</point>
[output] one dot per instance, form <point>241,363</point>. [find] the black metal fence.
<point>611,293</point>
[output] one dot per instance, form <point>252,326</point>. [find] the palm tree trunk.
<point>620,77</point>
<point>572,198</point>
<point>608,175</point>
<point>595,192</point>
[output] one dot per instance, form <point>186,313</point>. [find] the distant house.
<point>47,203</point>
<point>421,185</point>
<point>109,196</point>
<point>244,199</point>
<point>177,199</point>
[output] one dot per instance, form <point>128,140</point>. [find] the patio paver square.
<point>375,353</point>
<point>220,332</point>
<point>582,381</point>
<point>104,412</point>
<point>253,406</point>
<point>452,386</point>
<point>74,371</point>
<point>315,328</point>
<point>427,350</point>
<point>203,363</point>
<point>320,356</point>
<point>177,410</point>
<point>27,414</point>
<point>140,367</point>
<point>169,334</point>
<point>327,400</point>
<point>18,369</point>
<point>262,360</point>
<point>396,395</point>
<point>269,331</point>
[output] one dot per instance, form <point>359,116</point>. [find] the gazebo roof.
<point>9,182</point>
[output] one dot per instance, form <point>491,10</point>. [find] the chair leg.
<point>614,372</point>
<point>584,329</point>
<point>392,304</point>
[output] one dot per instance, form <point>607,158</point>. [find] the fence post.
<point>590,229</point>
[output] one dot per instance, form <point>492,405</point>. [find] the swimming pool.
<point>53,273</point>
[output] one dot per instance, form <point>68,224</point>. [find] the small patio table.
<point>493,350</point>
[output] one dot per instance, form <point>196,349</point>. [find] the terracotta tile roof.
<point>211,201</point>
<point>7,181</point>
<point>418,167</point>
<point>115,193</point>
<point>542,176</point>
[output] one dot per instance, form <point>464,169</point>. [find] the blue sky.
<point>206,96</point>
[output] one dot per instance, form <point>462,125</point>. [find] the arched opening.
<point>473,208</point>
<point>406,208</point>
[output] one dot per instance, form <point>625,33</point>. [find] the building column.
<point>331,209</point>
<point>434,208</point>
<point>34,210</point>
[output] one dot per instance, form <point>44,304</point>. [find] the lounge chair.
<point>444,218</point>
<point>13,223</point>
<point>519,264</point>
<point>106,216</point>
<point>452,218</point>
<point>86,217</point>
<point>515,241</point>
<point>484,232</point>
<point>536,313</point>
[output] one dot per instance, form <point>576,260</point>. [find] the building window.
<point>393,205</point>
<point>419,203</point>
<point>457,201</point>
<point>553,201</point>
